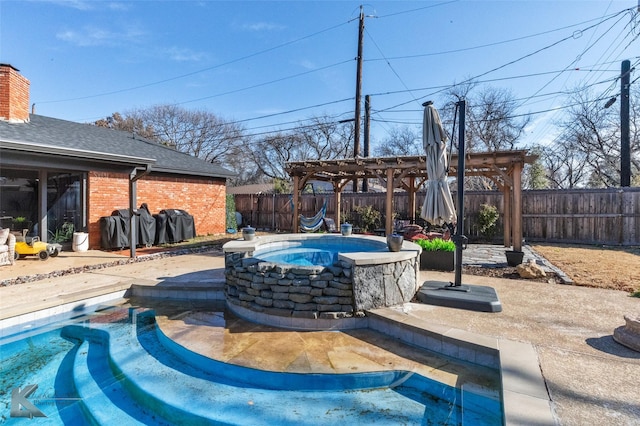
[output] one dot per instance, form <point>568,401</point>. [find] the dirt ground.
<point>608,267</point>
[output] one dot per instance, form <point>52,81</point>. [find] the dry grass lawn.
<point>615,268</point>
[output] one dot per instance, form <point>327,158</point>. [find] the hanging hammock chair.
<point>312,224</point>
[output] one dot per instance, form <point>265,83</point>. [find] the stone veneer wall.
<point>338,291</point>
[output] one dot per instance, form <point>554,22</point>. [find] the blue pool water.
<point>311,253</point>
<point>117,367</point>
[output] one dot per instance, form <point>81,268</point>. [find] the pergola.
<point>410,173</point>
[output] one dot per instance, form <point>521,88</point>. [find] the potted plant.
<point>437,254</point>
<point>514,257</point>
<point>20,223</point>
<point>394,242</point>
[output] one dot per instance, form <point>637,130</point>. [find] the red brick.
<point>203,198</point>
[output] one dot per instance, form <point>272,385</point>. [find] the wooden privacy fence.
<point>589,216</point>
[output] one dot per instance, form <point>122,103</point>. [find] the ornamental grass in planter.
<point>437,254</point>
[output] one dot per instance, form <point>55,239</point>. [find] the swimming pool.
<point>311,254</point>
<point>118,366</point>
<point>323,251</point>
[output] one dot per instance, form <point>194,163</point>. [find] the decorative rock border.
<point>356,282</point>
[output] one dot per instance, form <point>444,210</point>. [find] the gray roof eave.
<point>157,169</point>
<point>67,152</point>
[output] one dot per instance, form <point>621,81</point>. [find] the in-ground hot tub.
<point>317,276</point>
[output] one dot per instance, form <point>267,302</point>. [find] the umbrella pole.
<point>459,239</point>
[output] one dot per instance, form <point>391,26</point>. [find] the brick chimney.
<point>14,95</point>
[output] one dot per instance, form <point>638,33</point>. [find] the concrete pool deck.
<point>589,377</point>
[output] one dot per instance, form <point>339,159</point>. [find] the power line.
<point>417,9</point>
<point>266,83</point>
<point>528,55</point>
<point>501,118</point>
<point>575,60</point>
<point>497,43</point>
<point>390,66</point>
<point>445,86</point>
<point>233,61</point>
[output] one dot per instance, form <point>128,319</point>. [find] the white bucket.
<point>80,241</point>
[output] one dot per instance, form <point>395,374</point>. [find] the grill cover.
<point>179,225</point>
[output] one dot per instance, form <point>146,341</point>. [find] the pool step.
<point>110,395</point>
<point>147,375</point>
<point>101,393</point>
<point>208,290</point>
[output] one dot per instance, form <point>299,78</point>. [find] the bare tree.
<point>491,122</point>
<point>127,124</point>
<point>195,132</point>
<point>326,139</point>
<point>240,161</point>
<point>590,130</point>
<point>564,165</point>
<point>319,139</point>
<point>401,141</point>
<point>588,148</point>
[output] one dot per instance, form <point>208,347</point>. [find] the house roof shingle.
<point>43,133</point>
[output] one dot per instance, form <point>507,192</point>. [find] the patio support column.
<point>133,195</point>
<point>389,210</point>
<point>506,200</point>
<point>296,200</point>
<point>43,226</point>
<point>517,206</point>
<point>134,177</point>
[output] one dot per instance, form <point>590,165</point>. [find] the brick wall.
<point>14,95</point>
<point>203,198</point>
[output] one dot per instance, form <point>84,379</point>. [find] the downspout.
<point>134,176</point>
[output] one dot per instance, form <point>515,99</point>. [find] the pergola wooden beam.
<point>410,173</point>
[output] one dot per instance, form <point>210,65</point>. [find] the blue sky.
<point>254,62</point>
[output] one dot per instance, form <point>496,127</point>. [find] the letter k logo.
<point>19,399</point>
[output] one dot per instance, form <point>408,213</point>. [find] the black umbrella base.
<point>471,297</point>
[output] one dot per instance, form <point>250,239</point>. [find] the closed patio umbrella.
<point>437,208</point>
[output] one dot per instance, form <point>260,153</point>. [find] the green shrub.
<point>436,244</point>
<point>487,221</point>
<point>231,212</point>
<point>62,234</point>
<point>369,218</point>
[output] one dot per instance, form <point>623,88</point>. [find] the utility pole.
<point>367,113</point>
<point>625,147</point>
<point>356,137</point>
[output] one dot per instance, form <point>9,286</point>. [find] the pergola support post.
<point>389,207</point>
<point>507,214</point>
<point>338,201</point>
<point>296,206</point>
<point>517,206</point>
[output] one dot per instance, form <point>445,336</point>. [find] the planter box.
<point>437,260</point>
